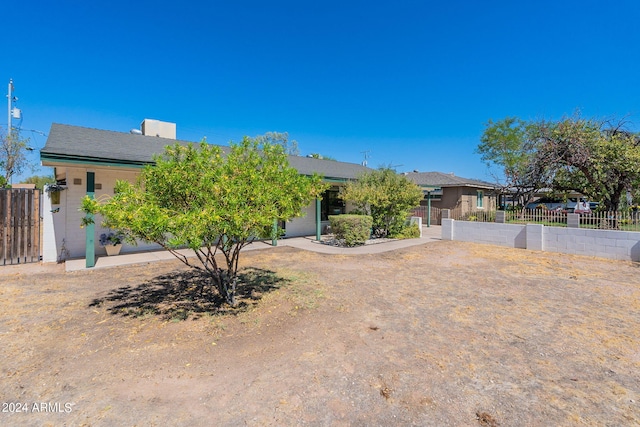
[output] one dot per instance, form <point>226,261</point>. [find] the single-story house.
<point>448,191</point>
<point>89,160</point>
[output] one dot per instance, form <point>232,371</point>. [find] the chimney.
<point>152,127</point>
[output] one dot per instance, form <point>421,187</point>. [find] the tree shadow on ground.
<point>188,294</point>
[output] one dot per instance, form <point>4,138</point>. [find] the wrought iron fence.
<point>611,220</point>
<point>624,220</point>
<point>537,216</point>
<point>423,212</point>
<point>479,215</point>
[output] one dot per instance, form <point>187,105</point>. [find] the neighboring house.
<point>84,159</point>
<point>448,191</point>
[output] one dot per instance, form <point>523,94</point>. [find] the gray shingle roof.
<point>95,146</point>
<point>439,179</point>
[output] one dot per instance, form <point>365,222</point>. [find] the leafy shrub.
<point>409,231</point>
<point>385,195</point>
<point>112,239</point>
<point>357,211</point>
<point>353,229</point>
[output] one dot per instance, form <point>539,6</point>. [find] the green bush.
<point>385,195</point>
<point>353,229</point>
<point>409,231</point>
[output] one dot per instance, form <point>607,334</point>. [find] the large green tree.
<point>13,156</point>
<point>321,157</point>
<point>40,180</point>
<point>512,145</point>
<point>209,201</point>
<point>280,138</point>
<point>385,195</point>
<point>598,158</point>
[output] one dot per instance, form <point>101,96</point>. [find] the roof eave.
<point>53,159</point>
<point>487,187</point>
<point>49,159</point>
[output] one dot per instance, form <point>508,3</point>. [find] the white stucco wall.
<point>612,244</point>
<point>69,237</point>
<point>512,235</point>
<point>305,225</point>
<point>49,247</point>
<point>620,245</point>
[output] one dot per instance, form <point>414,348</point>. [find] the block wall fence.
<point>612,244</point>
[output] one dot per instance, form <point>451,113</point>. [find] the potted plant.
<point>54,192</point>
<point>112,242</point>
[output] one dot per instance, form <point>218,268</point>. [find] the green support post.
<point>318,221</point>
<point>90,248</point>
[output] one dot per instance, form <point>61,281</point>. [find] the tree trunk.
<point>611,204</point>
<point>227,284</point>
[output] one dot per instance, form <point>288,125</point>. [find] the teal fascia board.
<point>330,179</point>
<point>93,161</point>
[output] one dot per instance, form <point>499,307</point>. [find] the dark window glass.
<point>331,204</point>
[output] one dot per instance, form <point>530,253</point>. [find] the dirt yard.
<point>444,334</point>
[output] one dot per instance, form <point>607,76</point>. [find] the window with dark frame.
<point>331,204</point>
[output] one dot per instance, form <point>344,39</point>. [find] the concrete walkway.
<point>429,234</point>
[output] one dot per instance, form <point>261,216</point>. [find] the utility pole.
<point>12,140</point>
<point>9,101</point>
<point>366,157</point>
<point>11,112</point>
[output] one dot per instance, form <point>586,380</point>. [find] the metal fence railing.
<point>611,220</point>
<point>479,215</point>
<point>537,216</point>
<point>624,220</point>
<point>423,212</point>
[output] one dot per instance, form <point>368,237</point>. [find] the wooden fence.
<point>19,226</point>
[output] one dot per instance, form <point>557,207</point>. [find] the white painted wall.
<point>55,217</point>
<point>63,229</point>
<point>620,245</point>
<point>511,235</point>
<point>612,244</point>
<point>65,239</point>
<point>305,225</point>
<point>49,246</point>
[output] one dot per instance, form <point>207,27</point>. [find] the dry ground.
<point>444,334</point>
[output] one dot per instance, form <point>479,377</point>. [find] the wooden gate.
<point>19,226</point>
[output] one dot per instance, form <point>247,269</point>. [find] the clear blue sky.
<point>413,82</point>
